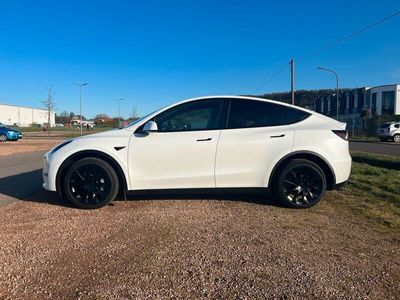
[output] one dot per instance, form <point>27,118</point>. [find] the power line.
<point>330,45</point>
<point>270,79</point>
<point>349,36</point>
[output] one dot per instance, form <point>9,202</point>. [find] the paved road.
<point>376,147</point>
<point>20,176</point>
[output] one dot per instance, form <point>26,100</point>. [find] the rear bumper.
<point>338,186</point>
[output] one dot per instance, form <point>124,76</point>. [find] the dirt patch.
<point>195,249</point>
<point>27,145</point>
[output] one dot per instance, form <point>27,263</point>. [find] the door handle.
<point>277,136</point>
<point>204,140</point>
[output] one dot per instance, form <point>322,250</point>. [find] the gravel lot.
<point>152,248</point>
<point>27,145</point>
<point>215,248</point>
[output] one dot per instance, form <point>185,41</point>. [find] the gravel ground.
<point>193,248</point>
<point>27,145</point>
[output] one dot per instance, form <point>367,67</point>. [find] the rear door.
<point>257,133</point>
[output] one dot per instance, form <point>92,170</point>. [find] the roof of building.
<point>13,105</point>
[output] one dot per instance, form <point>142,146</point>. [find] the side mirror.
<point>150,126</point>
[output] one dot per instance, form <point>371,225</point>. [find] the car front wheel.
<point>3,138</point>
<point>90,183</point>
<point>300,184</point>
<point>396,138</point>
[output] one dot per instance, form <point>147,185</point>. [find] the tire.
<point>396,138</point>
<point>3,138</point>
<point>90,183</point>
<point>300,184</point>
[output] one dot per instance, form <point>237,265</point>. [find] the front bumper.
<point>45,173</point>
<point>12,136</point>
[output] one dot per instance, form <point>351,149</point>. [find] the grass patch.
<point>377,160</point>
<point>373,189</point>
<point>364,138</point>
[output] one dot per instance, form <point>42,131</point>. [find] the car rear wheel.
<point>90,183</point>
<point>396,138</point>
<point>300,184</point>
<point>3,138</point>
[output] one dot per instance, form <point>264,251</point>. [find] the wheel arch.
<point>309,155</point>
<point>90,153</point>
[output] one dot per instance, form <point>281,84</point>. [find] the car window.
<point>253,113</point>
<point>196,115</point>
<point>397,125</point>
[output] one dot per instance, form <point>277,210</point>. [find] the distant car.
<point>59,125</point>
<point>213,142</point>
<point>389,131</point>
<point>9,134</point>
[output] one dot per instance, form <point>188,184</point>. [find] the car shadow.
<point>28,187</point>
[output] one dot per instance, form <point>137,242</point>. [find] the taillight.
<point>342,134</point>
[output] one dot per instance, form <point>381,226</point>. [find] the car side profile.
<point>389,131</point>
<point>9,134</point>
<point>206,143</point>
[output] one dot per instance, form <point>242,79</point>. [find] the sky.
<point>153,53</point>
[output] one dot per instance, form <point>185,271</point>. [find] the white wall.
<point>24,116</point>
<point>385,88</point>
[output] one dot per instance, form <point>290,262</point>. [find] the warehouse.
<point>24,116</point>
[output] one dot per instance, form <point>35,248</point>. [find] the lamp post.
<point>119,111</point>
<point>81,85</point>
<point>337,89</point>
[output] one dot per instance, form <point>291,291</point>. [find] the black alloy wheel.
<point>300,184</point>
<point>90,183</point>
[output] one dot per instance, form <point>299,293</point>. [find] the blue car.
<point>9,134</point>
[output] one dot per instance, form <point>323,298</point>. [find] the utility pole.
<point>119,111</point>
<point>292,78</point>
<point>81,85</point>
<point>337,89</point>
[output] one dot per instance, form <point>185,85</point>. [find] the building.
<point>379,100</point>
<point>24,116</point>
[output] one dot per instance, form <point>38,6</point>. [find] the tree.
<point>50,105</point>
<point>134,114</point>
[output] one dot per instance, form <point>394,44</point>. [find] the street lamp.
<point>337,89</point>
<point>119,111</point>
<point>81,85</point>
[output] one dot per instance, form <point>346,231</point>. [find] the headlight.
<point>59,146</point>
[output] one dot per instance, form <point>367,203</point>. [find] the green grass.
<point>61,129</point>
<point>364,138</point>
<point>373,189</point>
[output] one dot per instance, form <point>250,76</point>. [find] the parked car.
<point>389,131</point>
<point>219,142</point>
<point>9,134</point>
<point>59,125</point>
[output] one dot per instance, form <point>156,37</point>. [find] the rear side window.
<point>252,113</point>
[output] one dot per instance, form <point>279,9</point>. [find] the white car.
<point>389,131</point>
<point>206,143</point>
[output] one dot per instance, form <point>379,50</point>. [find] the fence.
<point>367,125</point>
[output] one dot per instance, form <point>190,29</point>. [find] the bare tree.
<point>134,114</point>
<point>50,105</point>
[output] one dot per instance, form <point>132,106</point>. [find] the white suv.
<point>219,142</point>
<point>389,131</point>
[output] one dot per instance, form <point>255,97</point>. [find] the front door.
<point>181,154</point>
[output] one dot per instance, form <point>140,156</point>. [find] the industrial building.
<point>24,116</point>
<point>379,100</point>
